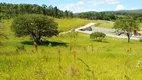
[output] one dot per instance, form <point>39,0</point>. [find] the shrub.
<point>140,39</point>
<point>98,36</point>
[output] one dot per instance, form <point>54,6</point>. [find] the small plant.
<point>97,36</point>
<point>20,48</point>
<point>73,70</point>
<point>88,68</point>
<point>59,60</point>
<point>74,57</point>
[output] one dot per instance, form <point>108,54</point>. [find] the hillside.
<point>131,11</point>
<point>138,11</point>
<point>71,56</point>
<point>68,56</point>
<point>120,11</point>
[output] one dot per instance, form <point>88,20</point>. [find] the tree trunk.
<point>128,35</point>
<point>37,40</point>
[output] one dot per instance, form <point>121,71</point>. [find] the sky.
<point>85,5</point>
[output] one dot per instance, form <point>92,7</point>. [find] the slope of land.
<point>72,56</point>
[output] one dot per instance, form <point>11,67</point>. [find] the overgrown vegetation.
<point>70,56</point>
<point>75,59</point>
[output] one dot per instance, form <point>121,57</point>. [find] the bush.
<point>98,36</point>
<point>140,39</point>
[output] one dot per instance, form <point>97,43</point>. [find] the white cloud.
<point>120,7</point>
<point>101,1</point>
<point>85,5</point>
<point>76,7</point>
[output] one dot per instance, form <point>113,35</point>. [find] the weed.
<point>88,68</point>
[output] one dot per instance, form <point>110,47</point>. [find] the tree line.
<point>96,15</point>
<point>109,15</point>
<point>11,10</point>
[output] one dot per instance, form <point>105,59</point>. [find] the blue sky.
<point>85,5</point>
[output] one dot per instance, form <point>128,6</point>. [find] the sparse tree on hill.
<point>128,25</point>
<point>36,26</point>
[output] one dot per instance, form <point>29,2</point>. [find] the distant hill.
<point>120,11</point>
<point>86,12</point>
<point>125,11</point>
<point>110,15</point>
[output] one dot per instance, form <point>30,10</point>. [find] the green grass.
<point>112,59</point>
<point>68,24</point>
<point>105,24</point>
<point>109,24</point>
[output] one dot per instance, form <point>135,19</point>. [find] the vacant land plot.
<point>72,56</point>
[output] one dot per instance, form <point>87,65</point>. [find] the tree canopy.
<point>34,25</point>
<point>110,15</point>
<point>98,36</point>
<point>127,25</point>
<point>12,10</point>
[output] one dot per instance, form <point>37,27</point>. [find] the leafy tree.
<point>56,11</point>
<point>127,25</point>
<point>12,10</point>
<point>44,9</point>
<point>98,36</point>
<point>34,25</point>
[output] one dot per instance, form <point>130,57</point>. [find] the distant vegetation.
<point>11,10</point>
<point>111,15</point>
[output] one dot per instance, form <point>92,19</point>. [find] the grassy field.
<point>72,56</point>
<point>105,24</point>
<point>68,24</point>
<point>109,24</point>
